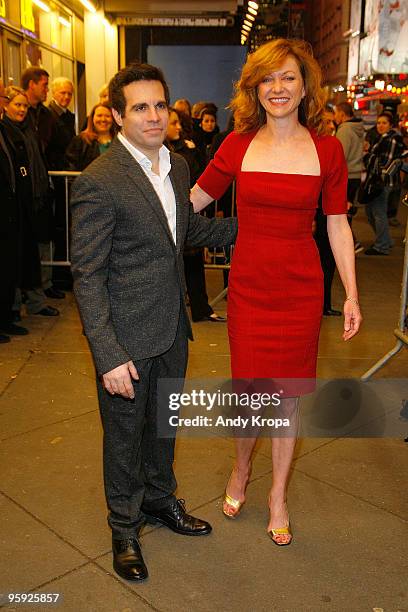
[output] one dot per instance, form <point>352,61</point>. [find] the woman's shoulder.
<point>325,140</point>
<point>236,143</point>
<point>327,144</point>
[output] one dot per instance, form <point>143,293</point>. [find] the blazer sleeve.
<point>222,169</point>
<point>335,176</point>
<point>93,225</point>
<point>214,232</point>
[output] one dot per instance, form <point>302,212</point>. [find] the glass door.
<point>11,48</point>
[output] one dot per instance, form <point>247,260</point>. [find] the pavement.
<point>347,497</point>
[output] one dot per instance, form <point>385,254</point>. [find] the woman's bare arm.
<point>341,242</point>
<point>199,198</point>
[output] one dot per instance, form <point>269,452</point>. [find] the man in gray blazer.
<point>131,219</point>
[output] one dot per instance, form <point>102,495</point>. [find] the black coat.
<point>80,154</point>
<point>18,247</point>
<point>43,125</point>
<point>63,133</point>
<point>41,198</point>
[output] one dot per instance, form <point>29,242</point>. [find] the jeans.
<point>35,300</point>
<point>46,252</point>
<point>377,217</point>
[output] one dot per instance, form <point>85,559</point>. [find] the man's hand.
<point>118,381</point>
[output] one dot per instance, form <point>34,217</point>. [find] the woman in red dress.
<point>281,162</point>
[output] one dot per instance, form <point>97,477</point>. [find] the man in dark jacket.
<point>131,218</point>
<point>62,91</point>
<point>34,81</point>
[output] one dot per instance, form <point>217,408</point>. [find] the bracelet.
<point>351,299</point>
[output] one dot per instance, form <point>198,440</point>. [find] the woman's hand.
<point>352,318</point>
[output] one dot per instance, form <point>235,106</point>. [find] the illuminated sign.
<point>176,21</point>
<point>27,17</point>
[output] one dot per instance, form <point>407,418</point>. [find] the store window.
<point>49,22</point>
<point>53,63</point>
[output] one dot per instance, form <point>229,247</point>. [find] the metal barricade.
<point>219,261</point>
<point>225,256</point>
<point>67,176</point>
<point>401,332</point>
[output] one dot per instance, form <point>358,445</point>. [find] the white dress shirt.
<point>161,182</point>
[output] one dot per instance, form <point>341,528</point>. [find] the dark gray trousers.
<point>138,466</point>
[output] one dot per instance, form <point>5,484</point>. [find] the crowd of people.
<point>31,144</point>
<point>37,138</point>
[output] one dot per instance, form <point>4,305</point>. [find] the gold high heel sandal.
<point>285,531</point>
<point>233,503</point>
<point>281,531</point>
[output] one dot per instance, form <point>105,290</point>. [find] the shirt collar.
<point>59,107</point>
<point>144,161</point>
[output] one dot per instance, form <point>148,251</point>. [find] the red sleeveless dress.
<point>275,292</point>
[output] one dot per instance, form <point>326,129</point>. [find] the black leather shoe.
<point>176,518</point>
<point>329,312</point>
<point>373,251</point>
<point>127,559</point>
<point>48,311</point>
<point>14,330</point>
<point>54,293</point>
<point>4,339</point>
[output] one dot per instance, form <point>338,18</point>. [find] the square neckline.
<point>312,136</point>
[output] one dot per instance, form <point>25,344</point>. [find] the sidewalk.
<point>347,498</point>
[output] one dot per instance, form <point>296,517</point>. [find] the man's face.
<point>144,123</point>
<point>63,95</point>
<point>39,90</point>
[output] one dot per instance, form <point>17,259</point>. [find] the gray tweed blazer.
<point>128,273</point>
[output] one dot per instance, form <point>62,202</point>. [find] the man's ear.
<point>117,117</point>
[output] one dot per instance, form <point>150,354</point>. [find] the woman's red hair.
<point>248,112</point>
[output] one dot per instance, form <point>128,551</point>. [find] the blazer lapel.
<point>138,177</point>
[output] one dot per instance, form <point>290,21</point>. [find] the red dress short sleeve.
<point>221,170</point>
<point>335,176</point>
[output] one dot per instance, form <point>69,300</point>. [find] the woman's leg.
<point>238,480</point>
<point>282,455</point>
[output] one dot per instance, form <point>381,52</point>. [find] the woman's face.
<point>102,120</point>
<point>208,123</point>
<point>329,124</point>
<point>281,91</point>
<point>173,127</point>
<point>383,125</point>
<point>17,108</point>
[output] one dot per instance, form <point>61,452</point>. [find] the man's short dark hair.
<point>346,108</point>
<point>135,71</point>
<point>34,73</point>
